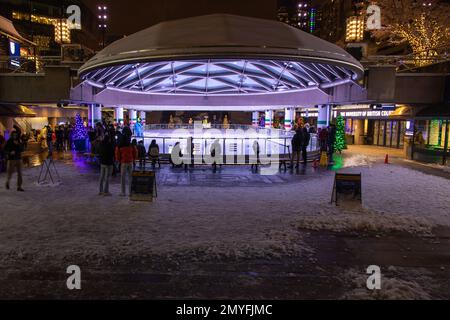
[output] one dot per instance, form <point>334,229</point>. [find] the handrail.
<point>150,127</point>
<point>246,143</point>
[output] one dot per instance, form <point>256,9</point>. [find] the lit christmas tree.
<point>340,143</point>
<point>79,134</point>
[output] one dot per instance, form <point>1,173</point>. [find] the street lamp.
<point>102,21</point>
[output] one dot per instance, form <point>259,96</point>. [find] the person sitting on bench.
<point>153,154</point>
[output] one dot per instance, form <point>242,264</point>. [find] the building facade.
<point>332,17</point>
<point>45,24</point>
<point>300,14</point>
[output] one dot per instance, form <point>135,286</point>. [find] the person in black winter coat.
<point>306,138</point>
<point>13,151</point>
<point>297,142</point>
<point>142,154</point>
<point>106,154</point>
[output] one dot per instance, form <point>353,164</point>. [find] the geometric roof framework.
<point>219,77</point>
<point>219,55</point>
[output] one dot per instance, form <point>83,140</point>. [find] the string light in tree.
<point>423,25</point>
<point>341,143</point>
<point>79,131</point>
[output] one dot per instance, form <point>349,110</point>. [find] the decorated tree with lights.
<point>423,25</point>
<point>340,143</point>
<point>79,134</point>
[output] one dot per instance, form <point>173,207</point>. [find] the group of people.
<point>118,152</point>
<point>300,144</point>
<point>59,138</point>
<point>302,140</point>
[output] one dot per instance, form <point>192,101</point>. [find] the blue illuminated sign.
<point>14,54</point>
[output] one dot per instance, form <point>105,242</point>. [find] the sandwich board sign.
<point>143,186</point>
<point>347,188</point>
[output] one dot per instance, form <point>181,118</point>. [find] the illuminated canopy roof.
<point>220,55</point>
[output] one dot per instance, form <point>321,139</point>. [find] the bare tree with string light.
<point>422,24</point>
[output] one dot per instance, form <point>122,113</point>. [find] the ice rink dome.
<point>220,54</point>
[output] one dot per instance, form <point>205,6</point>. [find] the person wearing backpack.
<point>153,153</point>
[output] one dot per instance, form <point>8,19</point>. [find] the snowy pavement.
<point>228,216</point>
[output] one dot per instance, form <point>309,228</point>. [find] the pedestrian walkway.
<point>375,151</point>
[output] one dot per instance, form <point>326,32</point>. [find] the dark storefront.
<point>387,133</point>
<point>432,132</point>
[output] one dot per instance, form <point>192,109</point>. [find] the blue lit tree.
<point>79,134</point>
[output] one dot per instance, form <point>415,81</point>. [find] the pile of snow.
<point>364,220</point>
<point>392,287</point>
<point>359,160</point>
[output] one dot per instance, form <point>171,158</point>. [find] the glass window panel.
<point>381,133</point>
<point>376,132</point>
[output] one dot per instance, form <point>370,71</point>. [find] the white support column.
<point>323,120</point>
<point>289,118</point>
<point>269,119</point>
<point>118,114</point>
<point>133,118</point>
<point>90,115</point>
<point>94,114</point>
<point>143,117</point>
<point>255,119</point>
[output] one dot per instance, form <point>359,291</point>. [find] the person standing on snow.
<point>13,151</point>
<point>297,142</point>
<point>126,155</point>
<point>106,153</point>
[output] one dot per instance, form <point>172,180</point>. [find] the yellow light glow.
<point>355,29</point>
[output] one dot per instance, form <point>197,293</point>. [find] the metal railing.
<point>231,146</point>
<point>154,127</point>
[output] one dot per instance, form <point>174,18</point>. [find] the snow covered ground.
<point>71,221</point>
<point>393,286</point>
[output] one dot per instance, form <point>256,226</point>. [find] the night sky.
<point>131,16</point>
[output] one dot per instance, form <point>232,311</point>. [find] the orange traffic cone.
<point>386,161</point>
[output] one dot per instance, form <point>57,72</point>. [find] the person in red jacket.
<point>126,155</point>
